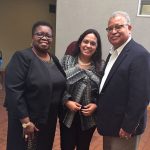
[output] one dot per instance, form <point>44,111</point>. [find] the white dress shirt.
<point>114,55</point>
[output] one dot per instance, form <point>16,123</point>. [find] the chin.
<point>44,48</point>
<point>88,56</point>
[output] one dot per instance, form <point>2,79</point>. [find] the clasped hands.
<point>86,110</point>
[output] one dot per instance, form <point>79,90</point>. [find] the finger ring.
<point>26,136</point>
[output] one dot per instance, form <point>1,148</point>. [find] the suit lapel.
<point>117,63</point>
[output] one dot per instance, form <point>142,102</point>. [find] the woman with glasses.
<point>35,83</point>
<point>83,70</point>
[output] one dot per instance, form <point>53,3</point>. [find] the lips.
<point>86,51</point>
<point>114,37</point>
<point>44,43</point>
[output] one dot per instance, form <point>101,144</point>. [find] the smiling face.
<point>42,38</point>
<point>118,31</point>
<point>88,45</point>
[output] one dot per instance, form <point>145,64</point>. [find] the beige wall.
<point>16,20</point>
<point>73,17</point>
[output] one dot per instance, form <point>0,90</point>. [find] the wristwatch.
<point>25,125</point>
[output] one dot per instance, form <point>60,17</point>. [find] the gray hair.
<point>123,14</point>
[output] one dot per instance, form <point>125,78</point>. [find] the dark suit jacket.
<point>29,88</point>
<point>126,93</point>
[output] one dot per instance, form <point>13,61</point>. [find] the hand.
<point>29,131</point>
<point>124,134</point>
<point>73,106</point>
<point>89,109</point>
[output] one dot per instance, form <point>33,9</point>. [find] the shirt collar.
<point>119,49</point>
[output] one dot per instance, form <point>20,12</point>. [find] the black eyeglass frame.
<point>116,27</point>
<point>40,35</point>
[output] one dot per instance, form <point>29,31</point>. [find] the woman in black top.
<point>35,83</point>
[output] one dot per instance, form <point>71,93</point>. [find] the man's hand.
<point>124,134</point>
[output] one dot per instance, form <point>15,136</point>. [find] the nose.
<point>113,30</point>
<point>44,37</point>
<point>88,44</point>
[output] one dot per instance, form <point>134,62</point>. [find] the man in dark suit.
<point>124,89</point>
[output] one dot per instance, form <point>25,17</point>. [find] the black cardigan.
<point>26,81</point>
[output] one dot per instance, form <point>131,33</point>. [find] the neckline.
<point>82,63</point>
<point>41,58</point>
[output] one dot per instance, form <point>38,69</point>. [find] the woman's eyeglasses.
<point>40,35</point>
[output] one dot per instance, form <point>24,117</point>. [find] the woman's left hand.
<point>30,131</point>
<point>88,109</point>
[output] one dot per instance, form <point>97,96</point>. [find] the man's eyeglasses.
<point>117,27</point>
<point>40,35</point>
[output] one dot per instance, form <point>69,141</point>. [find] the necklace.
<point>46,59</point>
<point>82,63</point>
